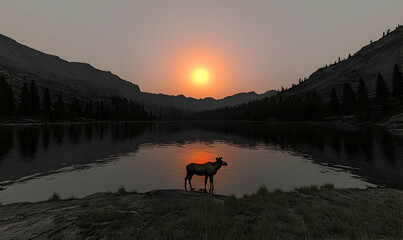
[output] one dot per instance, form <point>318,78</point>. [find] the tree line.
<point>311,105</point>
<point>280,106</point>
<point>31,105</point>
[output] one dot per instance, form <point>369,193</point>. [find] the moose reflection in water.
<point>208,170</point>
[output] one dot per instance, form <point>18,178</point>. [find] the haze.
<point>244,45</point>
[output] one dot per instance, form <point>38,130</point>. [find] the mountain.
<point>188,103</point>
<point>378,57</point>
<point>79,80</point>
<point>73,80</point>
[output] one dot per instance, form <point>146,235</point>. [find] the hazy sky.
<point>244,45</point>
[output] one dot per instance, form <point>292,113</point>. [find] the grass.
<point>277,190</point>
<point>313,212</point>
<point>55,197</point>
<point>327,186</point>
<point>277,215</point>
<point>210,219</point>
<point>356,218</point>
<point>264,192</point>
<point>121,190</point>
<point>314,189</point>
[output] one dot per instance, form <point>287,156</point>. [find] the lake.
<point>81,159</point>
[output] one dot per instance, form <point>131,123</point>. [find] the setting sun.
<point>201,72</point>
<point>200,76</point>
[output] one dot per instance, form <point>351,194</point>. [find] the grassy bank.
<point>309,212</point>
<point>314,212</point>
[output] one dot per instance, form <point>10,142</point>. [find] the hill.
<point>378,57</point>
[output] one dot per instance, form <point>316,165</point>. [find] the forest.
<point>354,100</point>
<point>29,104</point>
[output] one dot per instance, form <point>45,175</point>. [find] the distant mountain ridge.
<point>75,80</point>
<point>188,103</point>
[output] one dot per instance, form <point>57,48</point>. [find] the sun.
<point>200,76</point>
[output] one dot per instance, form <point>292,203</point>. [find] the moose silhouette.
<point>208,169</point>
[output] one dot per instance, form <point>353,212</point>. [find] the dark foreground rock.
<point>175,214</point>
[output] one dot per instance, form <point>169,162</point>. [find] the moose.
<point>208,170</point>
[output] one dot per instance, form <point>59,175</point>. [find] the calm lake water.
<point>81,159</point>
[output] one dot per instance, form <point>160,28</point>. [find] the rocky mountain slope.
<point>378,57</point>
<point>19,64</point>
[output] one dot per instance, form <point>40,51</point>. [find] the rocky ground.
<point>310,212</point>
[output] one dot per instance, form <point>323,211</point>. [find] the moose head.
<point>219,159</point>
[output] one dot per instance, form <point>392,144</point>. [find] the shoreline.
<point>392,125</point>
<point>340,120</point>
<point>309,212</point>
<point>270,121</point>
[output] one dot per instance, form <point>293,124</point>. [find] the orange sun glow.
<point>200,72</point>
<point>200,76</point>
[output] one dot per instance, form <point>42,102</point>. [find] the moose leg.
<point>186,178</point>
<point>190,183</point>
<point>211,184</point>
<point>205,183</point>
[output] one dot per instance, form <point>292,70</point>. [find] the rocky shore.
<point>310,212</point>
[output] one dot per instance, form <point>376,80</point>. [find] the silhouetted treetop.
<point>34,99</point>
<point>334,103</point>
<point>349,98</point>
<point>397,82</point>
<point>24,105</point>
<point>381,91</point>
<point>47,103</point>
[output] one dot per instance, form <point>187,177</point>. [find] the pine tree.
<point>102,111</point>
<point>362,97</point>
<point>47,104</point>
<point>3,98</point>
<point>34,98</point>
<point>59,109</point>
<point>397,82</point>
<point>349,99</point>
<point>6,97</point>
<point>334,103</point>
<point>74,110</point>
<point>381,91</point>
<point>25,103</point>
<point>89,112</point>
<point>10,99</point>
